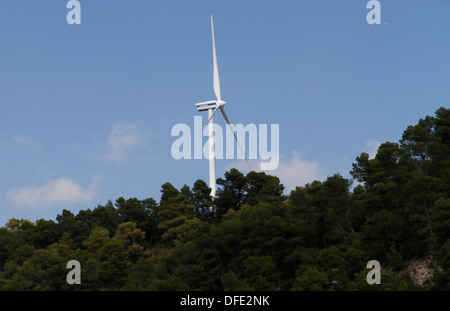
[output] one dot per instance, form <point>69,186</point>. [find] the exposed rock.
<point>420,270</point>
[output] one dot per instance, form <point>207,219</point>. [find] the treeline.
<point>253,237</point>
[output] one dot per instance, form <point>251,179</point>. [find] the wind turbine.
<point>212,106</point>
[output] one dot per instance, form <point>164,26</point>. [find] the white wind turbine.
<point>212,106</point>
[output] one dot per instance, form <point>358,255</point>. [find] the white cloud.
<point>26,142</point>
<point>62,190</point>
<point>19,142</point>
<point>123,138</point>
<point>297,171</point>
<point>292,172</point>
<point>372,146</point>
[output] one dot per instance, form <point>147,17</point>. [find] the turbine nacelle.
<point>212,104</point>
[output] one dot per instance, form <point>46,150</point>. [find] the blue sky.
<point>87,110</point>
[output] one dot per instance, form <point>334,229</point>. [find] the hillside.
<point>319,237</point>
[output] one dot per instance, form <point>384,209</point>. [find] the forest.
<point>253,236</point>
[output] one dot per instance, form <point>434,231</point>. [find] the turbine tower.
<point>212,106</point>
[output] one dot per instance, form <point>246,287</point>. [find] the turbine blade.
<point>216,80</point>
<point>217,107</point>
<point>235,137</point>
<point>225,116</point>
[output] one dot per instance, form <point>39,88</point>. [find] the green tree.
<point>311,279</point>
<point>105,260</point>
<point>441,272</point>
<point>261,273</point>
<point>231,282</point>
<point>133,238</point>
<point>440,220</point>
<point>44,270</point>
<point>106,216</point>
<point>231,193</point>
<point>172,212</point>
<point>262,188</point>
<point>142,213</point>
<point>417,142</point>
<point>202,201</point>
